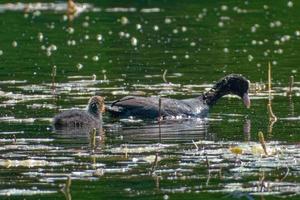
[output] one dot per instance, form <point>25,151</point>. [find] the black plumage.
<point>148,107</point>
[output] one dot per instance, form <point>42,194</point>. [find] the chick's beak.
<point>246,100</point>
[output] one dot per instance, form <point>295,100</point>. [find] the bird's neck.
<point>214,94</point>
<point>93,110</point>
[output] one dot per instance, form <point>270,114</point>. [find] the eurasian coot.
<point>148,107</point>
<point>91,117</point>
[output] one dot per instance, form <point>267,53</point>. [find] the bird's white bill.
<point>246,100</point>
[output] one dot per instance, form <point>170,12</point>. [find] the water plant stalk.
<point>272,116</point>
<point>126,151</point>
<point>53,74</point>
<point>262,141</point>
<point>159,109</point>
<point>197,148</point>
<point>291,86</point>
<point>67,186</point>
<point>154,164</point>
<point>14,139</point>
<point>164,76</point>
<point>93,138</point>
<point>269,82</point>
<point>71,10</point>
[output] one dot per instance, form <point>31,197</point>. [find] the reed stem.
<point>272,116</point>
<point>269,82</point>
<point>67,186</point>
<point>262,141</point>
<point>71,9</point>
<point>164,76</point>
<point>159,109</point>
<point>291,86</point>
<point>53,74</point>
<point>126,151</point>
<point>93,138</point>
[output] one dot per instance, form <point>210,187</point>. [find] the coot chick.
<point>91,117</point>
<point>148,107</point>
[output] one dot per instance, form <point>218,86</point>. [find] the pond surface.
<point>119,48</point>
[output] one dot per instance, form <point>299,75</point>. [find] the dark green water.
<point>127,46</point>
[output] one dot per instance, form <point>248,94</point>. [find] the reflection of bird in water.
<point>149,107</point>
<point>81,119</point>
<point>166,131</point>
<point>174,131</point>
<point>91,138</point>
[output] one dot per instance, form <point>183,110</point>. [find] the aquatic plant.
<point>291,83</point>
<point>262,141</point>
<point>53,75</point>
<point>272,116</point>
<point>93,138</point>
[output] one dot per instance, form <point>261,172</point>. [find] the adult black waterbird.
<point>148,107</point>
<point>91,117</point>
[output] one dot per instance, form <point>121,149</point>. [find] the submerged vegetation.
<point>54,56</point>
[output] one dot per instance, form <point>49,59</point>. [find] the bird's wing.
<point>131,102</point>
<point>134,105</point>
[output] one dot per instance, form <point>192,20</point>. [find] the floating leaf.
<point>236,150</point>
